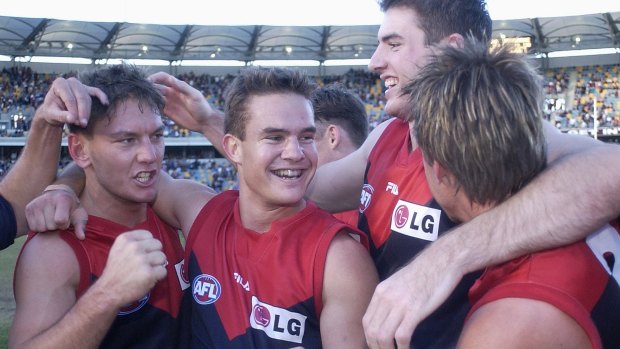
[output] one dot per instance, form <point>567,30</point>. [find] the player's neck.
<point>113,209</point>
<point>258,217</point>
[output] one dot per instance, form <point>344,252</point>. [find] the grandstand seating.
<point>572,94</point>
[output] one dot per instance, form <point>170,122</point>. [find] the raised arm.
<point>179,201</point>
<point>337,185</point>
<point>349,281</point>
<point>67,101</point>
<point>188,108</point>
<point>576,194</point>
<point>47,313</point>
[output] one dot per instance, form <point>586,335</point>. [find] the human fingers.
<point>135,235</point>
<point>159,264</point>
<point>159,78</point>
<point>35,216</point>
<point>374,322</point>
<point>79,218</point>
<point>404,332</point>
<point>79,100</point>
<point>61,210</point>
<point>149,244</point>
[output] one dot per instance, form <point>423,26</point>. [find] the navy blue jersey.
<point>400,217</point>
<point>8,226</point>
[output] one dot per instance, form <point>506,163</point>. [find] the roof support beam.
<point>541,45</point>
<point>34,37</point>
<point>180,45</point>
<point>250,54</point>
<point>613,28</point>
<point>324,42</point>
<point>106,44</point>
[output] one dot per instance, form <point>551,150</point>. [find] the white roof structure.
<point>22,37</point>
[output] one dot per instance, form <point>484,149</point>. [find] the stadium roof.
<point>23,37</point>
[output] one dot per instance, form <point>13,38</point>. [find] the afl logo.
<point>206,289</point>
<point>401,216</point>
<point>261,315</point>
<point>135,306</point>
<point>365,197</point>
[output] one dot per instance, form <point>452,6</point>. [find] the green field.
<point>7,304</point>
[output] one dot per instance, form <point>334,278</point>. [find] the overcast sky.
<point>270,12</point>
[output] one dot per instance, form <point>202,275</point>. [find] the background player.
<point>341,128</point>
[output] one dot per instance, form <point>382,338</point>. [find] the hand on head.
<point>184,104</point>
<point>69,101</point>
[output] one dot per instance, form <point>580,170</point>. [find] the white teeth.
<point>143,176</point>
<point>390,82</point>
<point>288,173</point>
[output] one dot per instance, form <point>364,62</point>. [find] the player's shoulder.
<point>48,253</point>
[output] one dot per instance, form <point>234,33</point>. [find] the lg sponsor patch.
<point>276,322</point>
<point>416,220</point>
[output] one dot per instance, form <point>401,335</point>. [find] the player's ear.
<point>78,147</point>
<point>443,175</point>
<point>232,148</point>
<point>455,39</point>
<point>334,136</point>
<point>439,172</point>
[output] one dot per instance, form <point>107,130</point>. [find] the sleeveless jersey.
<point>255,290</point>
<point>349,217</point>
<point>153,321</point>
<point>400,217</point>
<point>579,279</point>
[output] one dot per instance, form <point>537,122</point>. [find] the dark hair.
<point>440,18</point>
<point>120,83</point>
<point>334,104</point>
<point>258,81</point>
<point>478,114</point>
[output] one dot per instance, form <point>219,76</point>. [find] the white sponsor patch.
<point>416,220</point>
<point>184,283</point>
<point>605,242</point>
<point>276,322</point>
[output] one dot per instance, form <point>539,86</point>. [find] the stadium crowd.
<point>571,95</point>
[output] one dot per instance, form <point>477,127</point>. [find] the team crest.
<point>134,306</point>
<point>365,197</point>
<point>206,289</point>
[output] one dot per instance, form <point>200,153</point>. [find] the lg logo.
<point>276,322</point>
<point>416,220</point>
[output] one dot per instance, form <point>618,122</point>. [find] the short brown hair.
<point>120,83</point>
<point>478,114</point>
<point>259,82</point>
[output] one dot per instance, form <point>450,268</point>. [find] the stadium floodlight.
<point>143,62</point>
<point>286,63</point>
<point>60,60</point>
<point>346,62</point>
<point>210,63</point>
<point>589,52</point>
